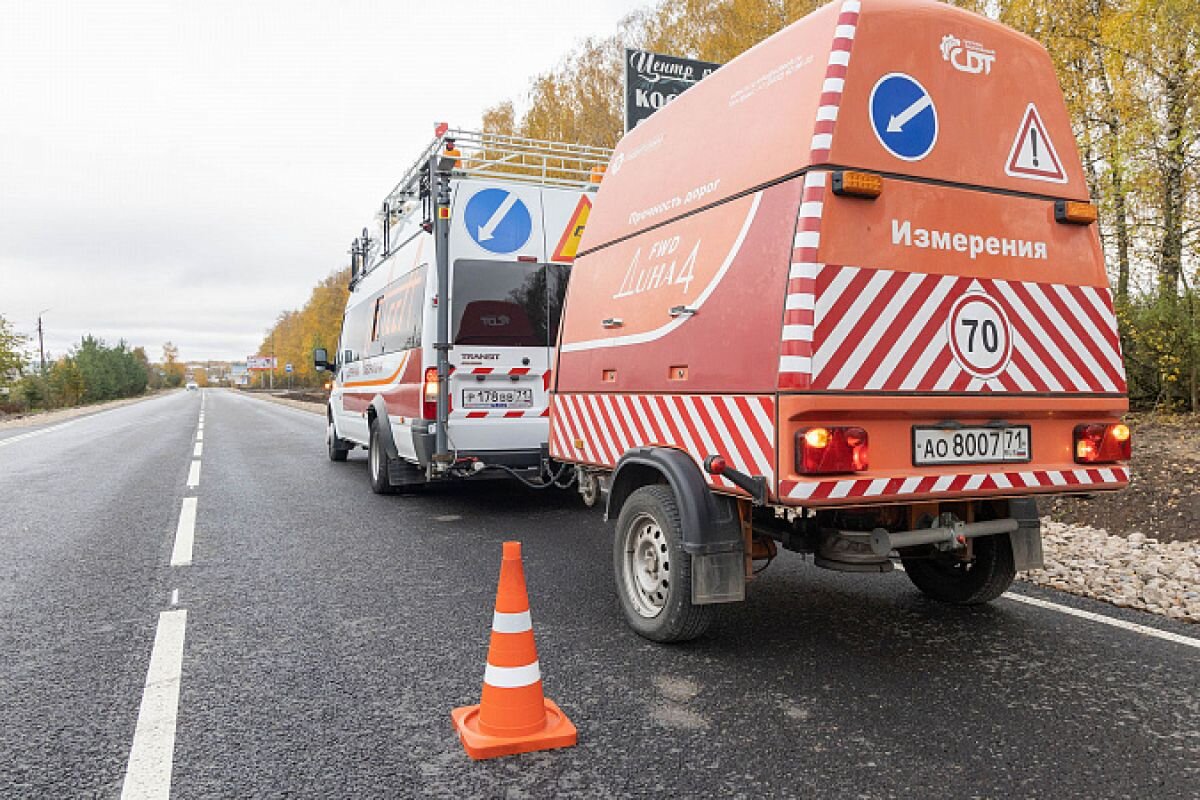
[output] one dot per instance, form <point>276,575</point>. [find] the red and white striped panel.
<point>835,79</point>
<point>739,427</point>
<point>498,371</point>
<point>809,491</point>
<point>887,331</point>
<point>501,413</point>
<point>795,355</point>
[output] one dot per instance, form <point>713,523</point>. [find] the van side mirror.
<point>321,360</point>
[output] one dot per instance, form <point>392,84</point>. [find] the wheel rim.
<point>373,456</point>
<point>646,566</point>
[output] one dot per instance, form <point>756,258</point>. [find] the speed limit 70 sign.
<point>980,335</point>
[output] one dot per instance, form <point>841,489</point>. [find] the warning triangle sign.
<point>568,245</point>
<point>1033,155</point>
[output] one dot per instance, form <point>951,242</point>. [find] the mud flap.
<point>1027,539</point>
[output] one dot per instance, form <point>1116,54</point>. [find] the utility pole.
<point>42,342</point>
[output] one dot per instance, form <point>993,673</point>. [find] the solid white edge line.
<point>185,533</point>
<point>193,479</point>
<point>148,774</point>
<point>1091,616</point>
<point>1145,630</point>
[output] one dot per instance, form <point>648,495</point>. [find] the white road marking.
<point>22,437</point>
<point>198,450</point>
<point>185,533</point>
<point>194,475</point>
<point>199,436</point>
<point>174,597</point>
<point>148,774</point>
<point>1145,630</point>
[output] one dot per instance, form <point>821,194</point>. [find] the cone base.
<point>558,732</point>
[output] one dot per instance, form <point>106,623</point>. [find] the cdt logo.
<point>969,57</point>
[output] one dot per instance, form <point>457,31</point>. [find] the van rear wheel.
<point>653,573</point>
<point>377,463</point>
<point>338,448</point>
<point>948,579</point>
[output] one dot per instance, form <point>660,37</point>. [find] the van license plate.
<point>990,445</point>
<point>497,398</point>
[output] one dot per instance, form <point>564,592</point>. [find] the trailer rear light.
<point>1102,444</point>
<point>1071,212</point>
<point>430,395</point>
<point>824,450</point>
<point>527,259</point>
<point>857,184</point>
<point>597,173</point>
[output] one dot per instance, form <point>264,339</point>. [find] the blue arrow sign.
<point>903,116</point>
<point>498,220</point>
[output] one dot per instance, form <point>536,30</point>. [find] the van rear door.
<point>503,319</point>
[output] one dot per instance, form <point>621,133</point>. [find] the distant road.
<point>311,638</point>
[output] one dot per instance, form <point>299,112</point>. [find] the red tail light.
<point>429,395</point>
<point>824,450</point>
<point>1102,444</point>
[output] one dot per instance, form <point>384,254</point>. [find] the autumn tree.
<point>11,345</point>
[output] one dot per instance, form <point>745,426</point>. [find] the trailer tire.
<point>966,583</point>
<point>338,448</point>
<point>377,463</point>
<point>653,572</point>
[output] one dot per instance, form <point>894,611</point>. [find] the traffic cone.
<point>513,715</point>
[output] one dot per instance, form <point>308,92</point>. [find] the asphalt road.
<point>330,631</point>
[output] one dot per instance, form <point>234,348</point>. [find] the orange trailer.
<point>845,295</point>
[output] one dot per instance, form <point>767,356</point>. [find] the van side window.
<point>506,303</point>
<point>375,320</point>
<point>401,311</point>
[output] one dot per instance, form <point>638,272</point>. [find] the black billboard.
<point>652,80</point>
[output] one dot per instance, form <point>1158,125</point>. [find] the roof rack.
<point>477,155</point>
<point>510,158</point>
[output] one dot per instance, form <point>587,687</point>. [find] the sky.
<point>186,171</point>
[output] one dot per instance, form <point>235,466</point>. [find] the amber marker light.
<point>1072,212</point>
<point>857,184</point>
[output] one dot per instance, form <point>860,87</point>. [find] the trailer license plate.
<point>990,445</point>
<point>497,398</point>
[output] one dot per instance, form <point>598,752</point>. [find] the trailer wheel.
<point>377,463</point>
<point>950,580</point>
<point>653,573</point>
<point>338,449</point>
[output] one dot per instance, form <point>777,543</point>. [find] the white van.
<point>460,388</point>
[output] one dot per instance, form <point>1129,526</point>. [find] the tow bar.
<point>954,535</point>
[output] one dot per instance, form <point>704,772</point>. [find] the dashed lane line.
<point>198,450</point>
<point>185,534</point>
<point>193,479</point>
<point>148,774</point>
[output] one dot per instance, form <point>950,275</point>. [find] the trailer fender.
<point>710,521</point>
<point>378,412</point>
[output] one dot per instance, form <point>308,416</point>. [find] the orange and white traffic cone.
<point>513,715</point>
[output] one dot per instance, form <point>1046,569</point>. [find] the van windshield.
<point>507,303</point>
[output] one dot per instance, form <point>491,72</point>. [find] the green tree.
<point>11,352</point>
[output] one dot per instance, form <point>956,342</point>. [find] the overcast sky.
<point>185,171</point>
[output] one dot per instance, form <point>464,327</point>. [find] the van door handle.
<point>679,311</point>
<point>612,322</point>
